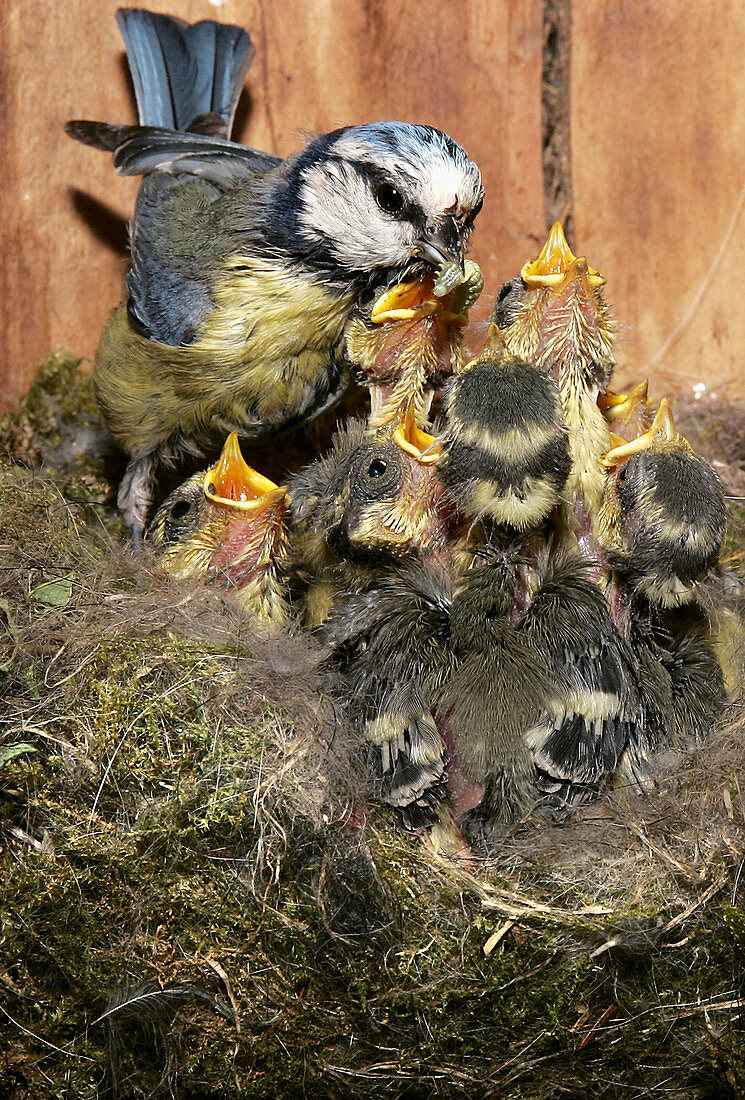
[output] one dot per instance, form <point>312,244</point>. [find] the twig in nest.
<point>693,876</point>
<point>706,896</point>
<point>495,937</point>
<point>228,989</point>
<point>597,1025</point>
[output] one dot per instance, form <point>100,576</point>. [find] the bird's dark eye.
<point>180,509</point>
<point>389,198</point>
<point>377,467</point>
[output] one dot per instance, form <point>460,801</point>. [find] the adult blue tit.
<point>554,315</point>
<point>505,452</point>
<point>664,515</point>
<point>245,268</point>
<point>226,526</point>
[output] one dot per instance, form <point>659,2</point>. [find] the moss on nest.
<point>200,900</point>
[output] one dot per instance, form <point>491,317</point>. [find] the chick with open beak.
<point>409,340</point>
<point>374,499</point>
<point>628,414</point>
<point>663,516</point>
<point>543,674</point>
<point>554,316</point>
<point>226,526</point>
<point>662,523</point>
<point>372,540</point>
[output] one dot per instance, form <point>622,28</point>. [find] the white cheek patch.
<point>337,205</point>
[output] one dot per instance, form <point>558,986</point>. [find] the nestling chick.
<point>505,453</point>
<point>595,706</point>
<point>554,316</point>
<point>628,414</point>
<point>226,525</point>
<point>391,642</point>
<point>371,535</point>
<point>498,692</point>
<point>370,502</point>
<point>662,523</point>
<point>245,268</point>
<point>664,515</point>
<point>681,687</point>
<point>410,340</point>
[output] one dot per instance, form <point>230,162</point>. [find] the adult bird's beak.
<point>413,441</point>
<point>232,483</point>
<point>441,245</point>
<point>556,264</point>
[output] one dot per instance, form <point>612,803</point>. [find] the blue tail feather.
<point>182,71</point>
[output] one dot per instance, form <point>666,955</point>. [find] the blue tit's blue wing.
<point>185,78</point>
<point>181,72</point>
<point>146,149</point>
<point>173,258</point>
<point>139,150</point>
<point>173,247</point>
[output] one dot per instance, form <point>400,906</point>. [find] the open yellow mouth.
<point>661,431</point>
<point>413,441</point>
<point>233,483</point>
<point>557,264</point>
<point>618,407</point>
<point>404,301</point>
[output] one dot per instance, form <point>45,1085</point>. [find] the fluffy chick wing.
<point>392,643</point>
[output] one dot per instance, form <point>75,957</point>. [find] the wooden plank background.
<point>655,154</point>
<point>658,173</point>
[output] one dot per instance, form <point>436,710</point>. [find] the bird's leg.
<point>447,839</point>
<point>135,495</point>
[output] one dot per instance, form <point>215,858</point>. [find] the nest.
<point>201,899</point>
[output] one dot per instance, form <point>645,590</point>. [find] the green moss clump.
<point>58,426</point>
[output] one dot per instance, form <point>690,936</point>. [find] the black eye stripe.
<point>377,179</point>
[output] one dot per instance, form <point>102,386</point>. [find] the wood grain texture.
<point>472,68</point>
<point>658,174</point>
